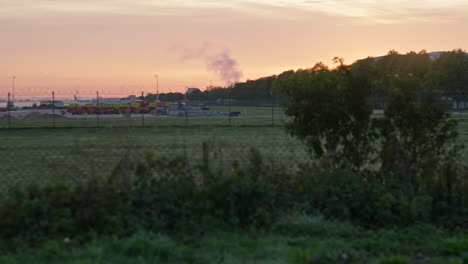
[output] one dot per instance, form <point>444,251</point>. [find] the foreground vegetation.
<point>173,211</point>
<point>294,239</point>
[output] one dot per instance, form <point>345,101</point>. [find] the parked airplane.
<point>81,100</point>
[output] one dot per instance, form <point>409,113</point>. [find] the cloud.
<point>381,11</point>
<point>38,8</point>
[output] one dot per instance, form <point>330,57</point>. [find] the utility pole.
<point>8,109</point>
<point>53,109</point>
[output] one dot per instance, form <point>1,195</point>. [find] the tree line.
<point>447,71</point>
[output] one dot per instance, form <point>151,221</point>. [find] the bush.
<point>148,246</point>
<point>168,195</point>
<point>394,260</point>
<point>161,194</point>
<point>328,253</point>
<point>340,194</point>
<point>455,246</point>
<point>299,224</point>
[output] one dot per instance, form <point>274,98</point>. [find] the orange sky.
<point>116,46</point>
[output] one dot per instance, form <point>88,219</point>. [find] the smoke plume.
<point>224,66</point>
<point>218,61</point>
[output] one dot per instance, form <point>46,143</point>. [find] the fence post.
<point>141,110</point>
<point>272,112</point>
<point>8,110</point>
<point>205,155</point>
<point>186,109</point>
<point>229,106</point>
<point>53,109</point>
<point>97,110</point>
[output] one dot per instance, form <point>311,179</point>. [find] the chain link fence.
<point>77,162</point>
<point>57,110</point>
<point>53,111</point>
<point>74,163</point>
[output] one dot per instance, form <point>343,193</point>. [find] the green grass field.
<point>138,121</point>
<point>39,155</point>
<point>250,110</point>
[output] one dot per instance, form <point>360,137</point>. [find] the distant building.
<point>191,90</point>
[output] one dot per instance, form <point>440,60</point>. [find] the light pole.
<point>13,87</point>
<point>157,86</point>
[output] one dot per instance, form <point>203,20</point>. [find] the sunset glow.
<point>118,45</point>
